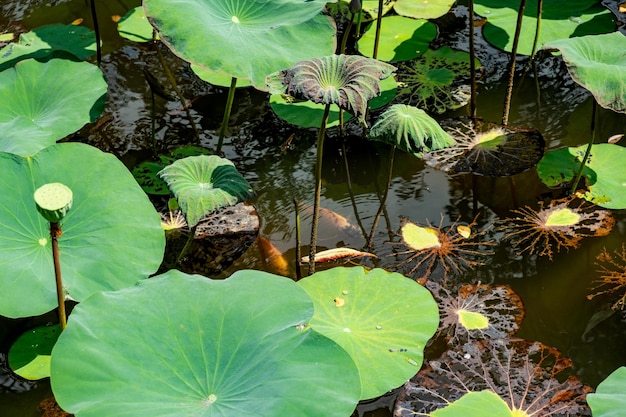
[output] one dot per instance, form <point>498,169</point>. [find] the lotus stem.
<point>588,150</point>
<point>153,122</point>
<point>370,239</point>
<point>298,251</point>
<point>227,110</point>
<point>190,237</point>
<point>346,34</point>
<point>96,29</point>
<point>509,87</point>
<point>537,29</point>
<point>55,232</point>
<point>379,23</point>
<point>472,52</point>
<point>318,188</point>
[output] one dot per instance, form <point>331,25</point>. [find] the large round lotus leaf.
<point>305,113</point>
<point>203,184</point>
<point>604,172</point>
<point>47,41</point>
<point>559,19</point>
<point>112,235</point>
<point>423,9</point>
<point>243,38</point>
<point>598,63</point>
<point>217,78</point>
<point>382,319</point>
<point>401,38</point>
<point>135,27</point>
<point>609,400</point>
<point>59,97</point>
<point>477,404</point>
<point>184,345</point>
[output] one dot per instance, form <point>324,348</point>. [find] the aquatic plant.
<point>427,249</point>
<point>612,280</point>
<point>560,225</point>
<point>609,399</point>
<point>527,376</point>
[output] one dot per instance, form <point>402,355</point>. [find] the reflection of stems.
<point>588,151</point>
<point>96,29</point>
<point>378,26</point>
<point>472,52</point>
<point>55,231</point>
<point>153,122</point>
<point>318,188</point>
<point>349,184</point>
<point>192,234</point>
<point>298,254</point>
<point>509,87</point>
<point>370,239</point>
<point>227,110</point>
<point>346,34</point>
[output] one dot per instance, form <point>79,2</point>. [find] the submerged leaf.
<point>348,81</point>
<point>337,253</point>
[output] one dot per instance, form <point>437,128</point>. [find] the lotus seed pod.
<point>53,201</point>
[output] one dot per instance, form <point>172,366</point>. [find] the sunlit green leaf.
<point>609,400</point>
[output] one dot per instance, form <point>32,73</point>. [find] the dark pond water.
<point>554,292</point>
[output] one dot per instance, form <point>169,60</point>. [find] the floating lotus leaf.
<point>561,225</point>
<point>425,9</point>
<point>200,347</point>
<point>49,41</point>
<point>243,38</point>
<point>135,27</point>
<point>111,238</point>
<point>604,172</point>
<point>203,184</point>
<point>29,356</point>
<point>425,249</point>
<point>494,152</point>
<point>529,378</point>
<point>37,97</point>
<point>477,404</point>
<point>476,311</point>
<point>348,81</point>
<point>410,129</point>
<point>370,7</point>
<point>432,81</point>
<point>560,19</point>
<point>597,63</point>
<point>401,38</point>
<point>382,319</point>
<point>609,400</point>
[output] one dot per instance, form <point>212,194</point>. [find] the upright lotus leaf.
<point>532,379</point>
<point>560,19</point>
<point>609,400</point>
<point>112,236</point>
<point>205,183</point>
<point>49,100</point>
<point>425,9</point>
<point>348,81</point>
<point>434,81</point>
<point>49,41</point>
<point>410,129</point>
<point>401,38</point>
<point>243,38</point>
<point>184,345</point>
<point>604,172</point>
<point>382,319</point>
<point>597,63</point>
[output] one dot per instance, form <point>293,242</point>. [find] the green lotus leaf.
<point>609,400</point>
<point>243,38</point>
<point>184,345</point>
<point>50,41</point>
<point>51,99</point>
<point>29,356</point>
<point>433,81</point>
<point>135,27</point>
<point>401,38</point>
<point>477,404</point>
<point>371,7</point>
<point>304,113</point>
<point>410,129</point>
<point>203,184</point>
<point>598,63</point>
<point>425,9</point>
<point>112,236</point>
<point>217,78</point>
<point>559,19</point>
<point>388,91</point>
<point>382,319</point>
<point>604,172</point>
<point>348,81</point>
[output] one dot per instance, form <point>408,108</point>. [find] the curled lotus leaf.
<point>560,225</point>
<point>410,129</point>
<point>531,378</point>
<point>497,308</point>
<point>348,81</point>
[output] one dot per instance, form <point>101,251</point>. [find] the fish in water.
<point>336,221</point>
<point>272,258</point>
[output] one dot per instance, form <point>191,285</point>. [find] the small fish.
<point>272,257</point>
<point>615,138</point>
<point>336,253</point>
<point>336,220</point>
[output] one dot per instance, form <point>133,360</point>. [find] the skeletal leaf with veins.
<point>612,269</point>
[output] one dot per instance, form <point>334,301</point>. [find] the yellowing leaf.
<point>419,238</point>
<point>339,302</point>
<point>464,231</point>
<point>562,217</point>
<point>77,21</point>
<point>472,320</point>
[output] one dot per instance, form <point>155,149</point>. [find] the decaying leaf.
<point>425,249</point>
<point>561,225</point>
<point>476,311</point>
<point>337,253</point>
<point>528,377</point>
<point>612,269</point>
